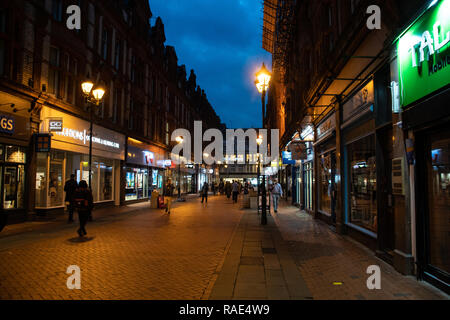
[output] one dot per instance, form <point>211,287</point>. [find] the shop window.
<point>362,180</point>
<point>327,165</point>
<point>15,154</point>
<point>56,183</point>
<point>106,180</point>
<point>136,184</point>
<point>41,179</point>
<point>439,203</point>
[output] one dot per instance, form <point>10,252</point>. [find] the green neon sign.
<point>424,54</point>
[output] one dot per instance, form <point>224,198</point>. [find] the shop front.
<point>424,77</point>
<point>14,142</point>
<point>138,172</point>
<point>325,151</point>
<point>69,154</point>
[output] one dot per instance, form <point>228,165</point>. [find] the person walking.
<point>235,191</point>
<point>277,192</point>
<point>168,195</point>
<point>221,187</point>
<point>228,189</point>
<point>213,188</point>
<point>205,192</point>
<point>84,203</point>
<point>69,188</point>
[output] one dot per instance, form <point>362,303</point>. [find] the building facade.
<point>379,139</point>
<point>148,95</point>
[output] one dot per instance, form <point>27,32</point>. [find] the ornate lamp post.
<point>179,140</point>
<point>262,84</point>
<point>93,96</point>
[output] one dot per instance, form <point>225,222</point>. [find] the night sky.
<point>221,41</point>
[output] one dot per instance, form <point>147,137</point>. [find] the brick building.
<point>339,88</point>
<point>148,95</point>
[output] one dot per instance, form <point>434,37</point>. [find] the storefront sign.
<point>75,136</point>
<point>326,126</point>
<point>55,125</point>
<point>6,124</point>
<point>140,156</point>
<point>359,103</point>
<point>424,55</point>
<point>164,163</point>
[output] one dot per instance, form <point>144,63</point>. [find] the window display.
<point>53,169</point>
<point>12,173</point>
<point>136,180</point>
<point>327,183</point>
<point>362,180</point>
<point>439,203</point>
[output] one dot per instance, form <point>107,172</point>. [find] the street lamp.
<point>259,140</point>
<point>263,77</point>
<point>179,140</point>
<point>93,96</point>
<point>262,81</point>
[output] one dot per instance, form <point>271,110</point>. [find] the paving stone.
<point>250,290</point>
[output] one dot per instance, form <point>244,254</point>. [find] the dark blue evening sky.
<point>221,41</point>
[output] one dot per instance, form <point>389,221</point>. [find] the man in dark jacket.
<point>205,189</point>
<point>84,203</point>
<point>70,187</point>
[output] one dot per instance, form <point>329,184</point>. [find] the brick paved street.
<point>218,251</point>
<point>324,257</point>
<point>144,254</point>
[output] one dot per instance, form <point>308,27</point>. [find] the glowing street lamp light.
<point>86,87</point>
<point>98,93</point>
<point>263,77</point>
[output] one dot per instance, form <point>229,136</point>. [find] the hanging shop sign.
<point>298,150</point>
<point>43,142</point>
<point>424,54</point>
<point>7,124</point>
<point>287,157</point>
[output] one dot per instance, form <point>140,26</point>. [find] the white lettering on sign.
<point>84,137</point>
<point>431,44</point>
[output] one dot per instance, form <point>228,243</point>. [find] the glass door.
<point>439,204</point>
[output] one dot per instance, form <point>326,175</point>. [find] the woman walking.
<point>84,203</point>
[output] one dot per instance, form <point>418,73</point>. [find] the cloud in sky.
<point>221,41</point>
